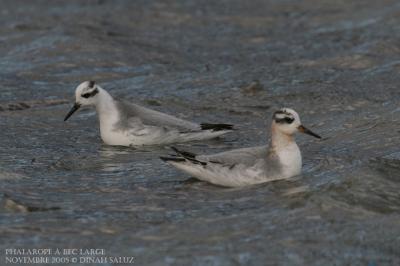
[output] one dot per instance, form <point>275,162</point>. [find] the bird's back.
<point>245,156</point>
<point>151,117</point>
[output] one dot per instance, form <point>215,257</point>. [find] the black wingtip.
<point>186,154</point>
<point>174,149</point>
<point>216,127</point>
<point>172,159</point>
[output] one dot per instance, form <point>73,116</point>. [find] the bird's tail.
<point>182,156</point>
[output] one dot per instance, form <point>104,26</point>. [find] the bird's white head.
<point>287,121</point>
<point>86,94</point>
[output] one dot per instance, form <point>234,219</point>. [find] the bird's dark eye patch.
<point>283,117</point>
<point>284,120</point>
<point>90,94</point>
<point>289,120</point>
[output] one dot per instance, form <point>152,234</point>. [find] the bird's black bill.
<point>305,130</point>
<point>73,110</point>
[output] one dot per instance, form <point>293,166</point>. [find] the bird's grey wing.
<point>154,118</point>
<point>260,158</point>
<point>244,156</point>
<point>135,127</point>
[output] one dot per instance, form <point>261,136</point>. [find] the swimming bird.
<point>254,165</point>
<point>128,124</point>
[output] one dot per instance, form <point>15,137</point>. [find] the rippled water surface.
<point>336,62</point>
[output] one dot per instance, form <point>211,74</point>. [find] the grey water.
<point>335,62</point>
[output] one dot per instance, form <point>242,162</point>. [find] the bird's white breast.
<point>290,158</point>
<point>108,117</point>
<point>107,132</point>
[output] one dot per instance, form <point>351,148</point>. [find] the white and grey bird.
<point>247,166</point>
<point>128,124</point>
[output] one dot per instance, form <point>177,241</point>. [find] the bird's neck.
<point>285,148</point>
<point>106,108</point>
<point>280,140</point>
